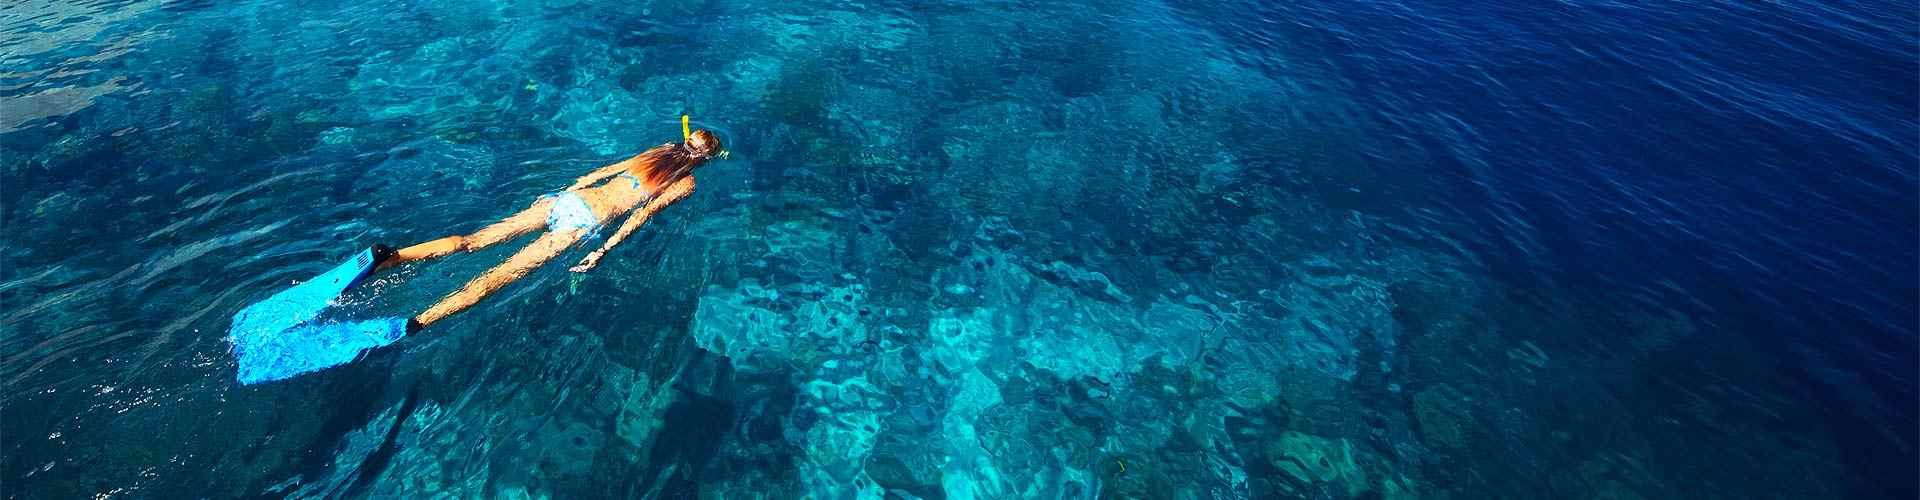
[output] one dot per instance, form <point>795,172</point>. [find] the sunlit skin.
<point>666,169</point>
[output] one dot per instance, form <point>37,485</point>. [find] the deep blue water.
<point>1016,249</point>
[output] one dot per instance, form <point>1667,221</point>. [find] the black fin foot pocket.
<point>381,253</point>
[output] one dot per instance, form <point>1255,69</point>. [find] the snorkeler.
<point>281,336</point>
<point>649,181</point>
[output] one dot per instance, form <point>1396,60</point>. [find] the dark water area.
<point>1103,249</point>
<point>1750,164</point>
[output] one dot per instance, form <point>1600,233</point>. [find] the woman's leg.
<point>539,252</point>
<point>533,218</point>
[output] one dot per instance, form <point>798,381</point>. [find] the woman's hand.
<point>592,259</point>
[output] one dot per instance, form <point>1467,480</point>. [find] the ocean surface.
<point>970,250</point>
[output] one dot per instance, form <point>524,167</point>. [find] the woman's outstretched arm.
<point>674,192</point>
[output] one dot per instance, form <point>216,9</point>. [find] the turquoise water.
<point>1116,249</point>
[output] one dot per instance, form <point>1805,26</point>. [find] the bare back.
<point>622,193</point>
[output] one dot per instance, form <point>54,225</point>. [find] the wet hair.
<point>668,163</point>
<point>703,142</point>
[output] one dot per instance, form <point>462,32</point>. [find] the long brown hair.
<point>667,163</point>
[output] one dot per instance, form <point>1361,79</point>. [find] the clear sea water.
<point>1011,249</point>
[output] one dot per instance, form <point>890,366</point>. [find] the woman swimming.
<point>649,181</point>
<point>284,335</point>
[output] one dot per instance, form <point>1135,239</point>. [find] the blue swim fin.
<point>308,348</point>
<point>257,326</point>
